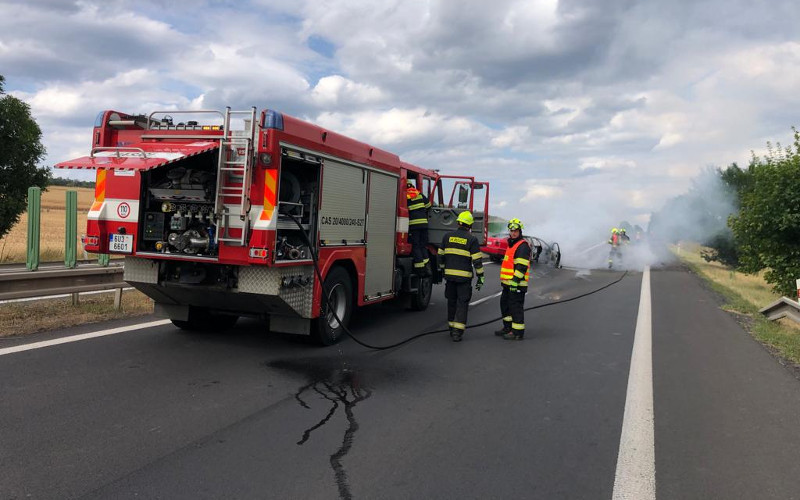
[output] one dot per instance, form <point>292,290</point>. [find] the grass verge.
<point>744,295</point>
<point>22,318</point>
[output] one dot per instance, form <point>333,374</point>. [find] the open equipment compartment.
<point>178,210</point>
<point>298,200</point>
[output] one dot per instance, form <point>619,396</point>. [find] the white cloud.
<point>535,190</point>
<point>397,126</point>
<point>607,163</point>
<point>512,137</point>
<point>335,91</point>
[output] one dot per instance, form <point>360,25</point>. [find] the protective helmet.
<point>465,218</point>
<point>515,224</point>
<point>614,230</point>
<point>622,230</point>
<point>409,184</point>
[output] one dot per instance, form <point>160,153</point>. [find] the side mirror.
<point>463,194</point>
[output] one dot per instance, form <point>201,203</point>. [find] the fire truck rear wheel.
<point>339,288</point>
<point>422,297</point>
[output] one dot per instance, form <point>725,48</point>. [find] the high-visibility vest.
<point>507,272</point>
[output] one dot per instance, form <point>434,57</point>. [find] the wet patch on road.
<point>341,386</point>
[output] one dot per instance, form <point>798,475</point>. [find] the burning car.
<point>542,252</point>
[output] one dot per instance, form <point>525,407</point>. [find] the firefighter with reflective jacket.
<point>418,206</point>
<point>615,241</point>
<point>460,252</point>
<point>514,276</point>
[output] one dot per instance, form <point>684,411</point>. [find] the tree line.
<point>21,151</point>
<point>748,217</point>
<point>61,181</point>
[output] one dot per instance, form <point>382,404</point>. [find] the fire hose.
<point>431,332</point>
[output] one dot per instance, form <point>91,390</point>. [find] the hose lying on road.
<point>423,334</point>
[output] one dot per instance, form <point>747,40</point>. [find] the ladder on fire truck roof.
<point>234,170</point>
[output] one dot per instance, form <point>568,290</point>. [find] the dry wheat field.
<point>42,315</point>
<point>13,247</point>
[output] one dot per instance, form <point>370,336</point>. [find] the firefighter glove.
<point>480,282</point>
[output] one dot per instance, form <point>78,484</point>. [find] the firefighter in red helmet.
<point>418,206</point>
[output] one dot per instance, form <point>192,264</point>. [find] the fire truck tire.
<point>326,328</point>
<point>422,297</point>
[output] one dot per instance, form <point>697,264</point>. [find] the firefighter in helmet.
<point>615,241</point>
<point>623,236</point>
<point>514,276</point>
<point>418,206</point>
<point>460,252</point>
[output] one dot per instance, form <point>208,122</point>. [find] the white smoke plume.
<point>582,227</point>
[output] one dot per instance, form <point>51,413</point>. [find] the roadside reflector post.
<point>118,299</point>
<point>34,229</point>
<point>75,299</point>
<point>797,282</point>
<point>71,231</point>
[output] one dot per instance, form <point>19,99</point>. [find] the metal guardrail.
<point>42,283</point>
<point>782,308</point>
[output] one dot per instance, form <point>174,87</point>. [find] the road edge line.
<point>635,476</point>
<point>82,336</point>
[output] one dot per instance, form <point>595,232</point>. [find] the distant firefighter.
<point>615,241</point>
<point>623,236</point>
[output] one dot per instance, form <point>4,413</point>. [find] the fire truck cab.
<point>222,214</point>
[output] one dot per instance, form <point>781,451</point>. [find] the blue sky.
<point>580,113</point>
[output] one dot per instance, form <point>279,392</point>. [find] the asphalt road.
<point>161,413</point>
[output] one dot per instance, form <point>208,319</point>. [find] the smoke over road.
<point>583,226</point>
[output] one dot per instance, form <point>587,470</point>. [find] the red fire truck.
<point>220,214</point>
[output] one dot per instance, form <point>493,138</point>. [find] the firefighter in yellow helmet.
<point>514,276</point>
<point>615,241</point>
<point>460,253</point>
<point>623,236</point>
<point>418,206</point>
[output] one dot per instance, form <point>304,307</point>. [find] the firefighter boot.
<point>519,335</point>
<point>456,334</point>
<point>502,331</point>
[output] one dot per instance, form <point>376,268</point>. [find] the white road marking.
<point>635,477</point>
<point>83,336</point>
<point>485,299</point>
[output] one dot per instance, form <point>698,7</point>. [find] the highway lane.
<point>727,413</point>
<point>244,413</point>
